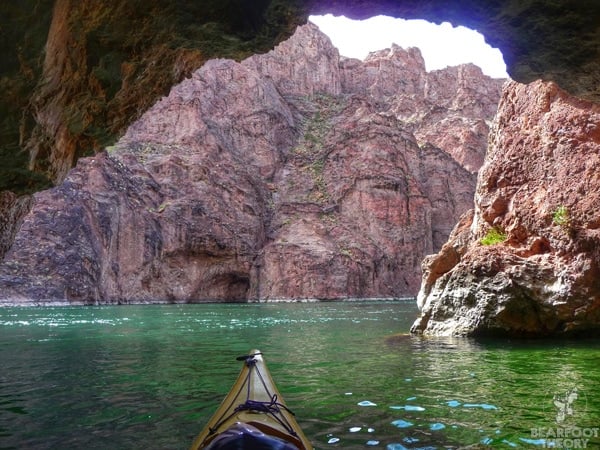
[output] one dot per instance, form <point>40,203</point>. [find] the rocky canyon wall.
<point>76,74</point>
<point>292,174</point>
<point>537,208</point>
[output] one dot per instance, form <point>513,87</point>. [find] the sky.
<point>441,45</point>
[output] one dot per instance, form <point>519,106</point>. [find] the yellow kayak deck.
<point>253,403</point>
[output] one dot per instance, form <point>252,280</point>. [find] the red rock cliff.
<point>288,175</point>
<point>539,190</point>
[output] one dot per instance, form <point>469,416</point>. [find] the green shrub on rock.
<point>560,216</point>
<point>493,236</point>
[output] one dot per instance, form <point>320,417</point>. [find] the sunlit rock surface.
<point>540,187</point>
<point>450,108</point>
<point>265,179</point>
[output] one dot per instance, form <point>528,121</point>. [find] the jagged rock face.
<point>544,279</point>
<point>356,206</point>
<point>251,181</point>
<point>450,108</point>
<point>462,101</point>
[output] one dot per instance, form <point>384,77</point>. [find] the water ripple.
<point>150,376</point>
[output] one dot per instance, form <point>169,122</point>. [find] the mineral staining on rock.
<point>294,174</point>
<point>539,186</point>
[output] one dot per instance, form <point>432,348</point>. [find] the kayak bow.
<point>253,415</point>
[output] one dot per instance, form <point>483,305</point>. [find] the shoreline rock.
<point>539,188</point>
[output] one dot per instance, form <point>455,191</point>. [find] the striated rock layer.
<point>539,189</point>
<point>288,175</point>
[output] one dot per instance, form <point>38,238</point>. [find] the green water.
<point>133,377</point>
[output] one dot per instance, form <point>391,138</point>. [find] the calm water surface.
<point>133,377</point>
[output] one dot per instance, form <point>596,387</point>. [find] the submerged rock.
<point>265,179</point>
<point>539,189</point>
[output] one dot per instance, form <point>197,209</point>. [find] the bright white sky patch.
<point>441,45</point>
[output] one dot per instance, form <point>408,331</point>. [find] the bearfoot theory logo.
<point>565,435</point>
<point>564,405</point>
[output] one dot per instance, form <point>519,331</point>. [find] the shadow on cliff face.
<point>74,75</point>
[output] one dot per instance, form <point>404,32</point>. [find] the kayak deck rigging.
<point>271,407</point>
<point>253,415</point>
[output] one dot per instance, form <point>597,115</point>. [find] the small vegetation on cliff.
<point>493,236</point>
<point>310,152</point>
<point>160,209</point>
<point>346,252</point>
<point>329,218</point>
<point>560,217</point>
